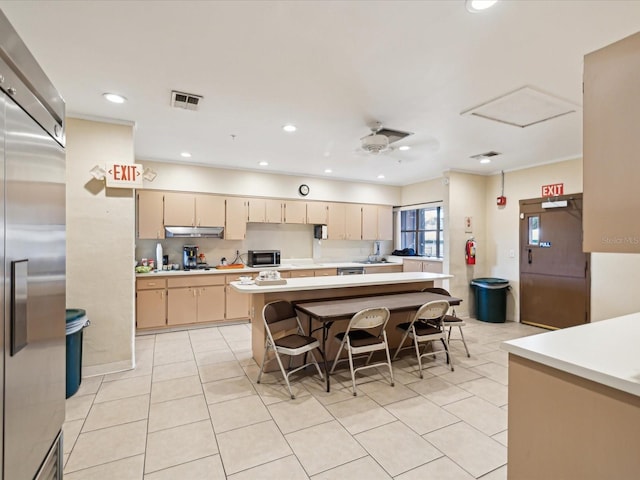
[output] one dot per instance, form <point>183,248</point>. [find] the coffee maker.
<point>190,257</point>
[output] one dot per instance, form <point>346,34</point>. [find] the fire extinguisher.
<point>470,252</point>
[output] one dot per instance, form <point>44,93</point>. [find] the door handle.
<point>19,317</point>
<point>530,257</point>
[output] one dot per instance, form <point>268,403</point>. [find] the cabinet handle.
<point>151,284</point>
<point>194,292</point>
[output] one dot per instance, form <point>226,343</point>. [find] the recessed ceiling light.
<point>475,6</point>
<point>328,170</point>
<point>380,176</point>
<point>114,97</point>
<point>485,160</point>
<point>185,155</point>
<point>289,128</point>
<point>404,148</point>
<point>263,163</point>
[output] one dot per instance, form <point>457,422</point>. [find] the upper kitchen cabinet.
<point>210,211</point>
<point>295,211</point>
<point>195,210</point>
<point>237,215</point>
<point>150,214</point>
<point>377,222</point>
<point>610,145</point>
<point>262,210</point>
<point>344,221</point>
<point>317,213</point>
<point>179,209</point>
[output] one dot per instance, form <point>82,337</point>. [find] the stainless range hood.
<point>190,232</point>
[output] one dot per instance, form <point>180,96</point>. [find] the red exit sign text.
<point>553,190</point>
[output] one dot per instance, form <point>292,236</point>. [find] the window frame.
<point>416,231</point>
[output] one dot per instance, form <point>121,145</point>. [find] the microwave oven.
<point>263,258</point>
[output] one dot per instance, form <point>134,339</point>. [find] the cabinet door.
<point>237,304</point>
<point>335,221</point>
<point>236,224</point>
<point>325,272</point>
<point>257,210</point>
<point>181,306</point>
<point>353,222</point>
<point>273,211</point>
<point>385,223</point>
<point>210,211</point>
<point>317,213</point>
<point>179,209</point>
<point>369,222</point>
<point>210,303</point>
<point>432,267</point>
<point>151,308</point>
<point>295,212</point>
<point>150,214</point>
<point>411,265</point>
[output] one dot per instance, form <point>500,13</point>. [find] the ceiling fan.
<point>380,139</point>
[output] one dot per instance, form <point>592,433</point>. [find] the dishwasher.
<point>351,271</point>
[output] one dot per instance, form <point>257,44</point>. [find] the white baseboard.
<point>115,367</point>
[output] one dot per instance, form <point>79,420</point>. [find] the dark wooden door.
<point>554,271</point>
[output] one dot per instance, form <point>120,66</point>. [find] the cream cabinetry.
<point>196,210</point>
<point>610,145</point>
<point>385,222</point>
<point>344,221</point>
<point>195,300</point>
<point>319,272</point>
<point>325,272</point>
<point>430,266</point>
<point>317,213</point>
<point>236,218</point>
<point>264,210</point>
<point>377,222</point>
<point>150,220</point>
<point>302,273</point>
<point>295,211</point>
<point>151,303</point>
<point>237,304</point>
<point>384,269</point>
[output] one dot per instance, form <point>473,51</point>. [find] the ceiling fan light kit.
<point>375,143</point>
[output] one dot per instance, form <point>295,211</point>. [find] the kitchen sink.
<point>372,262</point>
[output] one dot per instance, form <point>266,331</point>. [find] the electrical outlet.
<point>512,253</point>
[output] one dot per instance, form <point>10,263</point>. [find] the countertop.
<point>302,265</point>
<point>345,281</point>
<point>605,352</point>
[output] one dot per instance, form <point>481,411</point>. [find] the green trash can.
<point>76,321</point>
<point>491,299</point>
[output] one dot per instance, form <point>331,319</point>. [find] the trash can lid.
<point>490,282</point>
<point>75,314</point>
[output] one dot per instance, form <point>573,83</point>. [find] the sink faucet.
<point>377,248</point>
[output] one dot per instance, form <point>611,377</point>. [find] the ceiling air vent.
<point>480,156</point>
<point>393,135</point>
<point>188,101</point>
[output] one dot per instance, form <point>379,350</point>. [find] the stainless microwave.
<point>263,258</point>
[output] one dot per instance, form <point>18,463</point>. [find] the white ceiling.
<point>333,68</point>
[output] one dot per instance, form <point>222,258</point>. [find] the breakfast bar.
<point>574,402</point>
<point>322,288</point>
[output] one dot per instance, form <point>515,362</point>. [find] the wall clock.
<point>303,190</point>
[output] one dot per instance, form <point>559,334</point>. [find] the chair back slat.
<point>369,318</point>
<point>432,310</point>
<point>278,311</point>
<point>437,290</point>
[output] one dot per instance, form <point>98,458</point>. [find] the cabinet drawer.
<point>196,281</point>
<point>302,273</point>
<point>326,272</point>
<point>151,283</point>
<point>236,278</point>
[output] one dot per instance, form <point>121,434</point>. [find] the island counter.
<point>574,402</point>
<point>317,288</point>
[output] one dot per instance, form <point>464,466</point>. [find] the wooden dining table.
<point>328,311</point>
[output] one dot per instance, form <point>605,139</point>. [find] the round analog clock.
<point>303,190</point>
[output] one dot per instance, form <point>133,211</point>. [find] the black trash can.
<point>76,321</point>
<point>491,299</point>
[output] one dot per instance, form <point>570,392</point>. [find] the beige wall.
<point>424,192</point>
<point>100,233</point>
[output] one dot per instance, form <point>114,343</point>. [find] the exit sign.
<point>553,190</point>
<point>124,175</point>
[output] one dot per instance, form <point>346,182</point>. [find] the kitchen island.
<point>574,402</point>
<point>317,288</point>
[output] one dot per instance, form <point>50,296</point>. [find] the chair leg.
<point>335,361</point>
<point>264,360</point>
<point>285,375</point>
<point>386,349</point>
<point>313,357</point>
<point>449,356</point>
<point>353,374</point>
<point>404,337</point>
<point>464,342</point>
<point>415,343</point>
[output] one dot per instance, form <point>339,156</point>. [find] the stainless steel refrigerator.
<point>32,246</point>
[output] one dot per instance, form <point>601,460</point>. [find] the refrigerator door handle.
<point>19,277</point>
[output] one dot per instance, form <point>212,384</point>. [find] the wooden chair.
<point>451,320</point>
<point>426,326</point>
<point>280,316</point>
<point>365,334</point>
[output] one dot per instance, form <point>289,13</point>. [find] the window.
<point>422,230</point>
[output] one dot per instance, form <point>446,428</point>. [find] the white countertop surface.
<point>297,265</point>
<point>346,281</point>
<point>606,352</point>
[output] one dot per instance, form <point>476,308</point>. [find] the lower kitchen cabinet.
<point>325,272</point>
<point>430,266</point>
<point>237,304</point>
<point>301,273</point>
<point>384,269</point>
<point>195,299</point>
<point>151,308</point>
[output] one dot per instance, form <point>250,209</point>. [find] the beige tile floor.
<point>192,410</point>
